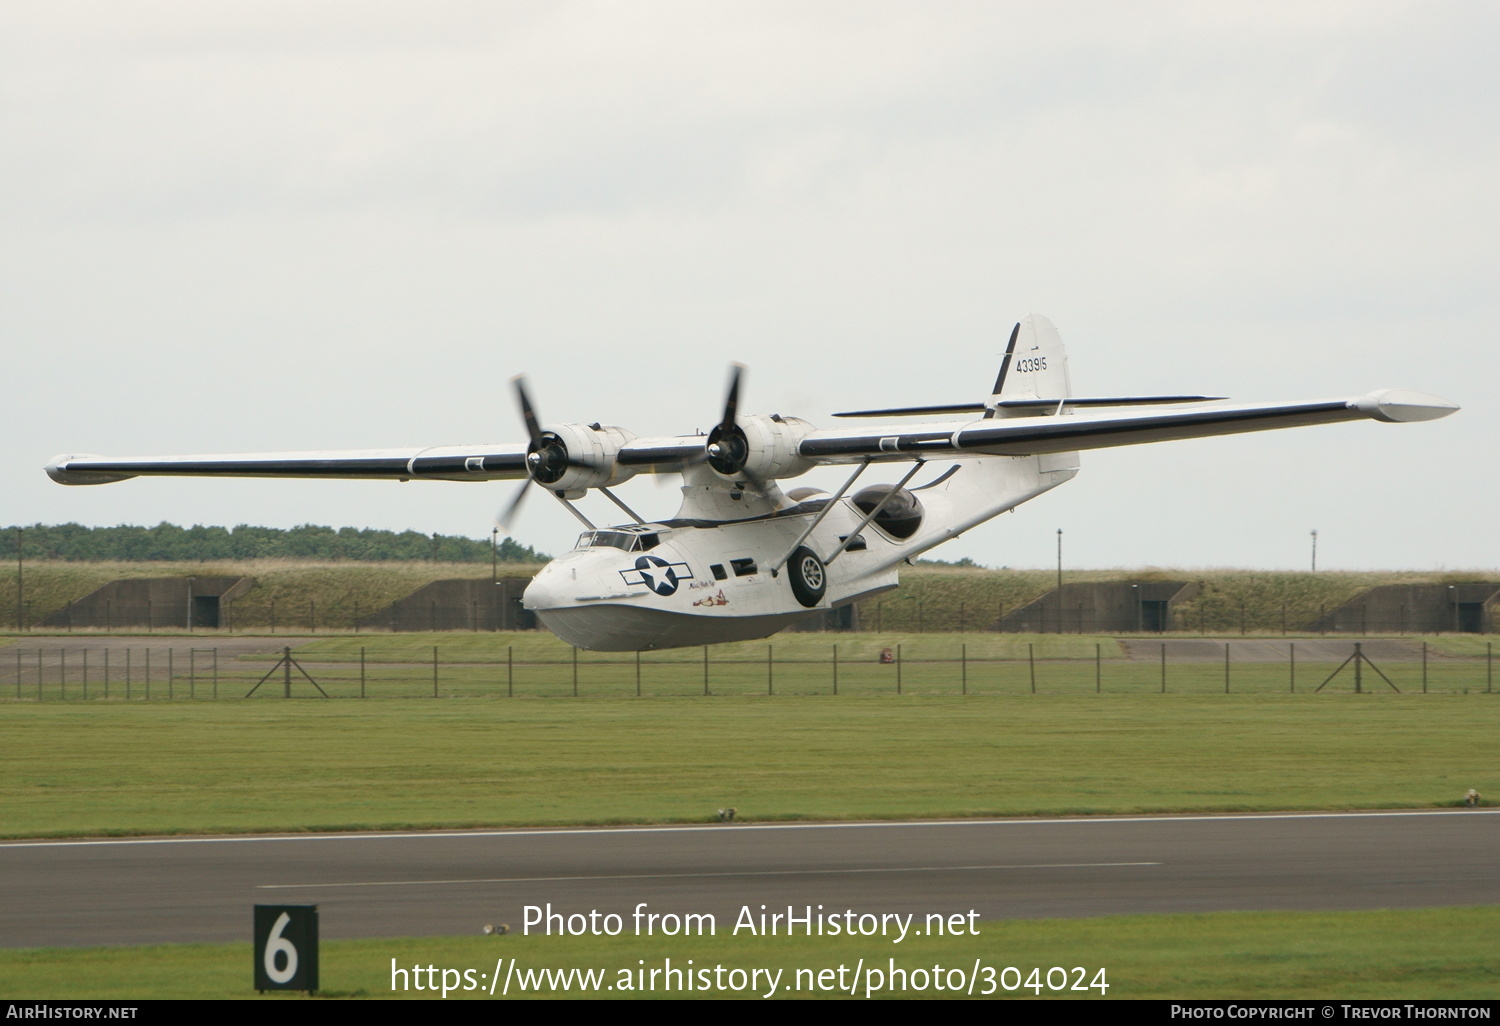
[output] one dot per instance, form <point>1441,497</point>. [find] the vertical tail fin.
<point>1035,365</point>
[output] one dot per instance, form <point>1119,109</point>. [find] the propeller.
<point>547,458</point>
<point>728,449</point>
<point>507,516</point>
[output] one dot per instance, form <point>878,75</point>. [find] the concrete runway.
<point>424,884</point>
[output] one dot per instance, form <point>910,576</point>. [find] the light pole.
<point>494,557</point>
<point>1315,550</point>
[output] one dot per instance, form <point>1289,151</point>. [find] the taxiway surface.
<point>423,884</point>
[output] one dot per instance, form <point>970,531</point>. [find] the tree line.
<point>170,543</point>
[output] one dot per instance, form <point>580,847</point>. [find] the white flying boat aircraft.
<point>742,559</point>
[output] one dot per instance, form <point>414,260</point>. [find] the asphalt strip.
<point>875,825</point>
<point>702,876</point>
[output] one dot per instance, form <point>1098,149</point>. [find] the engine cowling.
<point>571,458</point>
<point>764,448</point>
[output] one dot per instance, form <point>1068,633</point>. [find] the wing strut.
<point>572,509</point>
<point>819,518</point>
<point>612,497</point>
<point>849,538</point>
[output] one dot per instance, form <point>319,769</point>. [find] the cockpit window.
<point>607,539</point>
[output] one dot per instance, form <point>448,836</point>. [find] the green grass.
<point>103,768</point>
<point>1428,953</point>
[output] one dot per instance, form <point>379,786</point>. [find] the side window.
<point>718,569</point>
<point>648,541</point>
<point>743,567</point>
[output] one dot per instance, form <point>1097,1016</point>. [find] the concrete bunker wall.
<point>458,605</point>
<point>152,602</point>
<point>1090,607</point>
<point>1417,609</point>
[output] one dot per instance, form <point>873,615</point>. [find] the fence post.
<point>18,670</point>
<point>169,673</point>
<point>106,674</point>
<point>510,670</point>
<point>62,673</point>
<point>898,667</point>
<point>1424,667</point>
<point>127,673</point>
<point>637,673</point>
<point>1489,669</point>
<point>146,672</point>
<point>1164,667</point>
<point>835,669</point>
<point>216,671</point>
<point>86,675</point>
<point>1226,667</point>
<point>192,673</point>
<point>575,668</point>
<point>434,673</point>
<point>361,671</point>
<point>1291,658</point>
<point>705,669</point>
<point>1098,670</point>
<point>963,662</point>
<point>770,671</point>
<point>39,675</point>
<point>1031,661</point>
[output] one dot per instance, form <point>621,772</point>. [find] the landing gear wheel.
<point>809,579</point>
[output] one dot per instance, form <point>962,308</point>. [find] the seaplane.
<point>743,559</point>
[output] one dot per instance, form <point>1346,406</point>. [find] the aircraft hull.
<point>605,627</point>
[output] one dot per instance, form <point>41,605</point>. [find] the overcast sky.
<point>256,226</point>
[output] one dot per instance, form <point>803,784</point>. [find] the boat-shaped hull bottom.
<point>620,628</point>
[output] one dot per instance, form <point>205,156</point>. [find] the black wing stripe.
<point>1060,434</point>
<point>1059,431</point>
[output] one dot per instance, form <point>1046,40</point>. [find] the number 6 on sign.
<point>286,947</point>
<point>279,945</point>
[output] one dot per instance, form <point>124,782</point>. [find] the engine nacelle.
<point>570,458</point>
<point>763,448</point>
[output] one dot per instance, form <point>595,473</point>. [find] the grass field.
<point>1429,953</point>
<point>102,768</point>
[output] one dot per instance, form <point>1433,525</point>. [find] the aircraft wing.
<point>1027,436</point>
<point>447,463</point>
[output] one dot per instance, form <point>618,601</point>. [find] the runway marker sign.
<point>286,947</point>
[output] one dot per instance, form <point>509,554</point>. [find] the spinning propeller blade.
<point>528,413</point>
<point>506,518</point>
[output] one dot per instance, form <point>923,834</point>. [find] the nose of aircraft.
<point>549,589</point>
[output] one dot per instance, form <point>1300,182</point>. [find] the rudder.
<point>1035,365</point>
